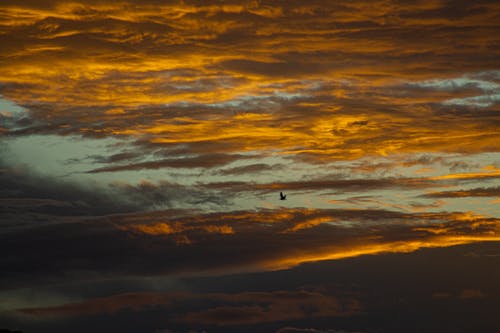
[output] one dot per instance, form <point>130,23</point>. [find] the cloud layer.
<point>144,145</point>
<point>326,81</point>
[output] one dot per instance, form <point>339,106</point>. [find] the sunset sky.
<point>144,144</point>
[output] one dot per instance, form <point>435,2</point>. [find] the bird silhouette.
<point>282,196</point>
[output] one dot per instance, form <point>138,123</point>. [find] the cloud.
<point>375,288</point>
<point>119,157</point>
<point>272,307</point>
<point>251,168</point>
<point>474,192</point>
<point>23,191</point>
<point>346,184</point>
<point>270,69</point>
<point>203,161</point>
<point>103,305</point>
<point>28,194</point>
<point>310,330</point>
<point>231,309</point>
<point>471,294</point>
<point>172,73</point>
<point>138,243</point>
<point>464,294</point>
<point>329,183</point>
<point>214,107</point>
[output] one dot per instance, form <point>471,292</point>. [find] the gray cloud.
<point>251,168</point>
<point>340,185</point>
<point>27,194</point>
<point>202,161</point>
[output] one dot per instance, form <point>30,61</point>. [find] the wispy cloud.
<point>227,309</point>
<point>474,192</point>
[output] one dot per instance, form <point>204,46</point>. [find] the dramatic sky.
<point>143,146</point>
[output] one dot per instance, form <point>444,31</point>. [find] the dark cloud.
<point>279,69</point>
<point>138,244</point>
<point>379,293</point>
<point>215,309</point>
<point>309,330</point>
<point>340,185</point>
<point>119,157</point>
<point>474,192</point>
<point>107,305</point>
<point>33,196</point>
<point>23,191</point>
<point>272,307</point>
<point>202,161</point>
<point>251,168</point>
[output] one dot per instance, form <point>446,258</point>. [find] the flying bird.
<point>282,196</point>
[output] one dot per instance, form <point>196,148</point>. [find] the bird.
<point>282,196</point>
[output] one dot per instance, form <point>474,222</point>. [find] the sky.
<point>144,146</point>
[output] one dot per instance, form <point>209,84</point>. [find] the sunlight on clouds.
<point>216,108</point>
<point>167,229</point>
<point>404,246</point>
<point>144,146</point>
<point>491,172</point>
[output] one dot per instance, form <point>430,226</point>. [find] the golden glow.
<point>307,235</point>
<point>490,173</point>
<point>310,223</point>
<point>391,247</point>
<point>168,54</point>
<point>161,228</point>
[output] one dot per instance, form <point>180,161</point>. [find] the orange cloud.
<point>327,92</point>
